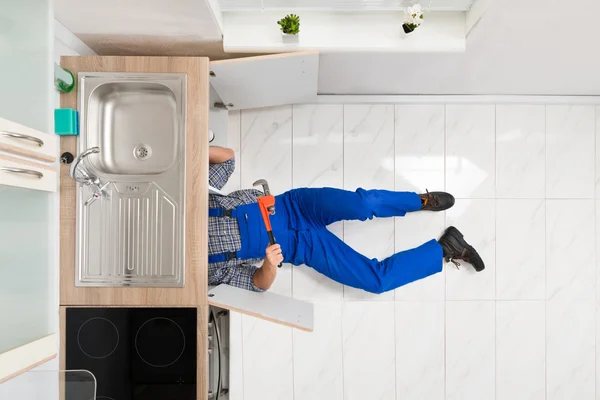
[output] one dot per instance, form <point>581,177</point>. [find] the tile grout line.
<point>343,181</point>
<point>342,304</point>
<point>545,254</point>
<point>445,270</point>
<point>595,254</point>
<point>394,292</point>
<point>241,316</point>
<point>292,186</point>
<point>291,265</point>
<point>495,250</point>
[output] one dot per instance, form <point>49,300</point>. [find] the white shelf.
<point>258,32</point>
<point>267,306</point>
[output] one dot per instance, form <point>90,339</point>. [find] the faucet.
<point>82,174</point>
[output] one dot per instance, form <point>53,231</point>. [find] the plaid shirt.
<point>224,233</point>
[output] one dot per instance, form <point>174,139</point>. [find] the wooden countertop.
<point>194,294</point>
<point>196,202</point>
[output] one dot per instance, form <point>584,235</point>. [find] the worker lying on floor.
<point>238,240</point>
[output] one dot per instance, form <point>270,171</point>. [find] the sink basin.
<point>136,125</point>
<point>134,234</point>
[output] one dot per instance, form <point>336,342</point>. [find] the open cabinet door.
<point>265,81</point>
<point>268,306</point>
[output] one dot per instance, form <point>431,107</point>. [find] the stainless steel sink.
<point>136,126</point>
<point>133,233</point>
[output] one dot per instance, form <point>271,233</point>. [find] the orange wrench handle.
<point>264,203</point>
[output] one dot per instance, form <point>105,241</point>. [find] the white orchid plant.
<point>414,18</point>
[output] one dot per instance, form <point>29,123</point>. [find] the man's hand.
<point>263,277</point>
<point>274,255</point>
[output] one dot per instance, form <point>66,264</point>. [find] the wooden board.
<point>216,191</point>
<point>26,357</point>
<point>268,306</point>
<point>201,348</point>
<point>196,225</point>
<point>265,81</point>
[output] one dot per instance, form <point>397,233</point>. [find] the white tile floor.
<point>525,183</point>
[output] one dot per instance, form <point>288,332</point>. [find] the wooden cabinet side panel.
<point>202,350</point>
<point>196,253</point>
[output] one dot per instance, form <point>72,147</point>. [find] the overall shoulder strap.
<point>220,212</point>
<point>215,258</point>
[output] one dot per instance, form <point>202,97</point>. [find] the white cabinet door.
<point>27,288</point>
<point>27,142</point>
<point>264,81</point>
<point>268,306</point>
<point>27,174</point>
<point>28,198</point>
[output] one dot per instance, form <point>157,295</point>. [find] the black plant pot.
<point>407,29</point>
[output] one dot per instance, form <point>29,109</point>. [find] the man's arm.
<point>265,275</point>
<point>221,166</point>
<point>218,155</point>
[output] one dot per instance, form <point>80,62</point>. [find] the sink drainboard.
<point>131,240</point>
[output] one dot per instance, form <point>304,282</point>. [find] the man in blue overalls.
<point>238,240</point>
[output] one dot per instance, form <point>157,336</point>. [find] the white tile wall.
<point>369,350</point>
<point>369,163</point>
<point>420,350</point>
<point>520,151</point>
<point>570,151</point>
<point>520,350</point>
<point>520,249</point>
<point>268,361</point>
<point>470,150</point>
<point>318,161</point>
<point>570,353</point>
<point>318,356</point>
<point>570,268</point>
<point>419,147</point>
<point>525,177</point>
<point>470,350</point>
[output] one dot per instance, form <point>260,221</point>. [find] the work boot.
<point>436,201</point>
<point>456,248</point>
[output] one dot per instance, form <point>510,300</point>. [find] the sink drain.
<point>142,152</point>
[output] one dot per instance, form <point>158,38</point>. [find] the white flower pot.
<point>287,38</point>
<point>405,35</point>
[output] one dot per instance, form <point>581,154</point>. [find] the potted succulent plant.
<point>290,28</point>
<point>414,19</point>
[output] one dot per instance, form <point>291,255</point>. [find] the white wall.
<point>543,47</point>
<point>519,47</point>
<point>149,27</point>
<point>24,387</point>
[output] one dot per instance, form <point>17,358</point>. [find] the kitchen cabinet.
<point>194,292</point>
<point>27,142</point>
<point>28,252</point>
<point>196,194</point>
<point>265,81</point>
<point>28,188</point>
<point>271,307</point>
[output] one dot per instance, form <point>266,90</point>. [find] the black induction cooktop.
<point>135,353</point>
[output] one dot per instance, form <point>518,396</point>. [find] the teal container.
<point>66,121</point>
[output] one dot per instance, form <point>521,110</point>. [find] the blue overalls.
<point>299,226</point>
